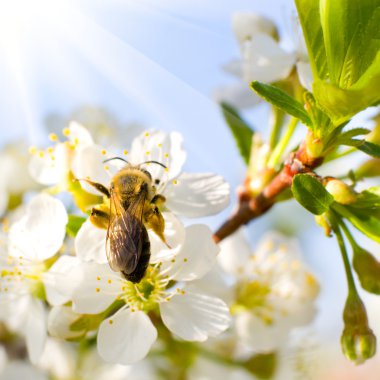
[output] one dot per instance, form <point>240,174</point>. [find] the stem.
<point>348,234</point>
<point>283,143</point>
<point>251,207</point>
<point>278,118</point>
<point>347,267</point>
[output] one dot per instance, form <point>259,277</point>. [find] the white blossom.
<point>34,238</point>
<point>274,291</point>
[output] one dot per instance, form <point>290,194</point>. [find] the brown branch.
<point>249,208</point>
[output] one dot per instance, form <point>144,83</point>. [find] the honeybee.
<point>132,207</point>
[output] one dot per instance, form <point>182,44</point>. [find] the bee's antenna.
<point>116,158</point>
<point>154,162</point>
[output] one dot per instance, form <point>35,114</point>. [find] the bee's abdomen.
<point>137,275</point>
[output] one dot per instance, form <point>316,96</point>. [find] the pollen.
<point>147,153</point>
<point>66,131</point>
<point>172,260</point>
<point>133,310</point>
<point>166,155</point>
<point>159,145</point>
<point>98,278</point>
<point>50,150</point>
<point>166,169</point>
<point>109,281</point>
<point>106,167</point>
<point>146,134</point>
<point>185,260</point>
<point>110,321</point>
<point>97,290</point>
<point>175,181</point>
<point>104,152</point>
<point>125,152</point>
<point>53,137</point>
<point>41,153</point>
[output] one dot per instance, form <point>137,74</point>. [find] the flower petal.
<point>79,135</point>
<point>126,337</point>
<point>59,320</point>
<point>88,164</point>
<point>96,287</point>
<point>195,316</point>
<point>246,25</point>
<point>90,243</point>
<point>50,168</point>
<point>197,194</point>
<point>17,370</point>
<point>196,257</point>
<point>55,280</point>
<point>305,74</point>
<point>39,234</point>
<point>174,235</point>
<point>163,147</point>
<point>35,329</point>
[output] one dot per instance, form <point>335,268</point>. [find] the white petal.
<point>55,280</point>
<point>35,330</point>
<point>246,25</point>
<point>237,95</point>
<point>79,135</point>
<point>88,164</point>
<point>305,74</point>
<point>174,235</point>
<point>39,234</point>
<point>163,147</point>
<point>260,336</point>
<point>59,320</point>
<point>265,60</point>
<point>194,316</point>
<point>126,337</point>
<point>47,170</point>
<point>196,257</point>
<point>197,194</point>
<point>96,287</point>
<point>90,243</point>
<point>234,253</point>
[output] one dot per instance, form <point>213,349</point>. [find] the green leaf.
<point>365,220</point>
<point>308,13</point>
<point>74,224</point>
<point>370,148</point>
<point>351,38</point>
<point>311,194</point>
<point>282,100</point>
<point>241,131</point>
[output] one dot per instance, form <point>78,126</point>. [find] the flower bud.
<point>323,221</point>
<point>358,341</point>
<point>314,146</point>
<point>367,269</point>
<point>341,192</point>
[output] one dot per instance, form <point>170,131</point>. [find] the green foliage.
<point>282,100</point>
<point>366,220</point>
<point>367,269</point>
<point>74,224</point>
<point>241,131</point>
<point>343,41</point>
<point>311,194</point>
<point>370,148</point>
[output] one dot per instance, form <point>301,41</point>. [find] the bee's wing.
<point>125,233</point>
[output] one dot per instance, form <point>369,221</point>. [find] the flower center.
<point>253,296</point>
<point>148,293</point>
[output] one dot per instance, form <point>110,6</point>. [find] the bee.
<point>131,207</point>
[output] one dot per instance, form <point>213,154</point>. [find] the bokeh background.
<point>158,64</point>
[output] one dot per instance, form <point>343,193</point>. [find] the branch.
<point>249,208</point>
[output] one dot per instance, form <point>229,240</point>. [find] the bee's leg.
<point>158,200</point>
<point>97,186</point>
<point>155,221</point>
<point>100,216</point>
